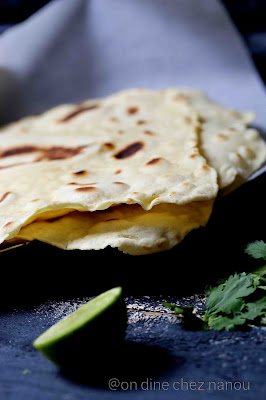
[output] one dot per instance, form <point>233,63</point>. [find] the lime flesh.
<point>88,332</point>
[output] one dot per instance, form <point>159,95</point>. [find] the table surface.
<point>43,287</point>
<point>160,358</point>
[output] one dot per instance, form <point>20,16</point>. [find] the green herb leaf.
<point>255,309</point>
<point>221,322</point>
<point>174,307</point>
<point>228,297</point>
<point>257,249</point>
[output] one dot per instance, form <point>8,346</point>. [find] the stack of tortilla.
<point>137,170</point>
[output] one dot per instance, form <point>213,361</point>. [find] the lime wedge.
<point>90,331</point>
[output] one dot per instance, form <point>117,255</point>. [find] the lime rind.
<point>78,319</point>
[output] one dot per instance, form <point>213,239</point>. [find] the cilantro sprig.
<point>234,303</point>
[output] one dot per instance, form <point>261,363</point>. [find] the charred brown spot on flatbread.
<point>205,167</point>
<point>222,136</point>
<point>146,247</point>
<point>86,189</point>
<point>47,153</point>
<point>132,110</point>
<point>150,133</point>
<point>82,172</point>
<point>188,120</point>
<point>15,151</point>
<point>78,110</point>
<point>59,153</point>
<point>154,161</point>
<point>130,150</point>
<point>201,120</point>
<point>119,183</point>
<point>118,171</point>
<point>198,130</point>
<point>239,156</point>
<point>248,150</point>
<point>194,155</point>
<point>108,146</point>
<point>141,122</point>
<point>8,224</point>
<point>161,243</point>
<point>33,201</point>
<point>82,184</point>
<point>4,196</point>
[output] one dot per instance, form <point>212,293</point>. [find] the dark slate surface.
<point>158,351</point>
<point>41,284</point>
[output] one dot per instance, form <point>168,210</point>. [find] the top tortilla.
<point>136,147</point>
<point>226,142</point>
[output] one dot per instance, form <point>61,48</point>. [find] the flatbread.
<point>129,228</point>
<point>133,148</point>
<point>131,164</point>
<point>228,145</point>
<point>226,142</point>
